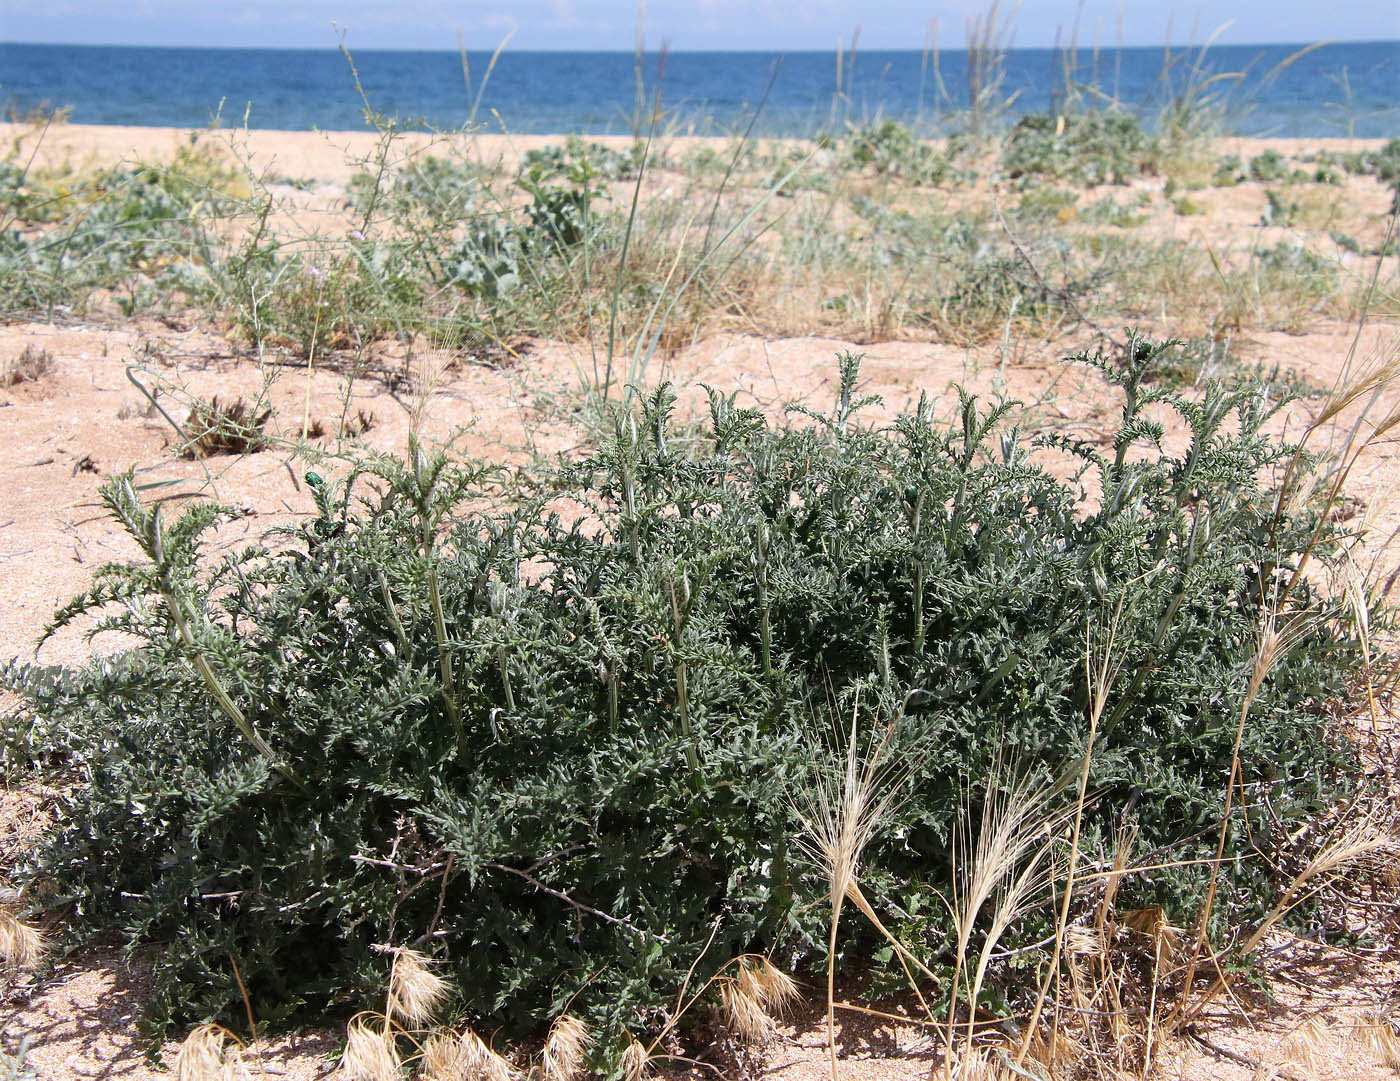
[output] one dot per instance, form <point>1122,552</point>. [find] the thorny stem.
<point>180,615</point>
<point>449,693</point>
<point>765,630</point>
<point>682,702</point>
<point>918,578</point>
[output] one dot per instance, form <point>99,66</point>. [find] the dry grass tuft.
<point>443,1058</point>
<point>1050,1049</point>
<point>744,1013</point>
<point>1152,923</point>
<point>415,990</point>
<point>371,1053</point>
<point>979,1064</point>
<point>753,994</point>
<point>480,1062</point>
<point>466,1057</point>
<point>768,985</point>
<point>1308,1045</point>
<point>211,1053</point>
<point>1379,1041</point>
<point>634,1062</point>
<point>564,1049</point>
<point>29,367</point>
<point>21,946</point>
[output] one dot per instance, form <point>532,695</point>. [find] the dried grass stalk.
<point>841,810</point>
<point>415,990</point>
<point>634,1062</point>
<point>211,1053</point>
<point>371,1053</point>
<point>482,1063</point>
<point>564,1049</point>
<point>766,984</point>
<point>21,946</point>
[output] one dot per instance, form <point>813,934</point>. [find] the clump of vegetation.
<point>1048,205</point>
<point>891,149</point>
<point>134,231</point>
<point>1268,167</point>
<point>548,724</point>
<point>1108,211</point>
<point>1383,163</point>
<point>1097,147</point>
<point>32,364</point>
<point>1279,210</point>
<point>1229,171</point>
<point>580,161</point>
<point>214,427</point>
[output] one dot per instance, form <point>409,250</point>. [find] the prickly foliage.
<point>544,723</point>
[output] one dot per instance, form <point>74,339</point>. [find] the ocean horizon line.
<point>1078,46</point>
<point>1293,89</point>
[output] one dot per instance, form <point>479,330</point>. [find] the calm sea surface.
<point>1342,89</point>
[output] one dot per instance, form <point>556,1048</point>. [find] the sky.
<point>686,24</point>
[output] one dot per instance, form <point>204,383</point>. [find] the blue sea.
<point>1339,89</point>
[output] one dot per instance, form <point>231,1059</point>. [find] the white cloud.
<point>565,14</point>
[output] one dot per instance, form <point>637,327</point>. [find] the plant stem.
<point>449,693</point>
<point>765,630</point>
<point>176,606</point>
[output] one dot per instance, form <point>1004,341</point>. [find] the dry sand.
<point>86,419</point>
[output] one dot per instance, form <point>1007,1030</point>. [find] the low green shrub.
<point>1279,210</point>
<point>1048,205</point>
<point>580,161</point>
<point>138,229</point>
<point>548,724</point>
<point>891,149</point>
<point>1229,171</point>
<point>1268,167</point>
<point>1092,148</point>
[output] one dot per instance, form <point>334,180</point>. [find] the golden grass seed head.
<point>21,946</point>
<point>210,1053</point>
<point>744,1012</point>
<point>370,1051</point>
<point>765,983</point>
<point>564,1049</point>
<point>415,990</point>
<point>482,1063</point>
<point>1086,941</point>
<point>444,1058</point>
<point>634,1062</point>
